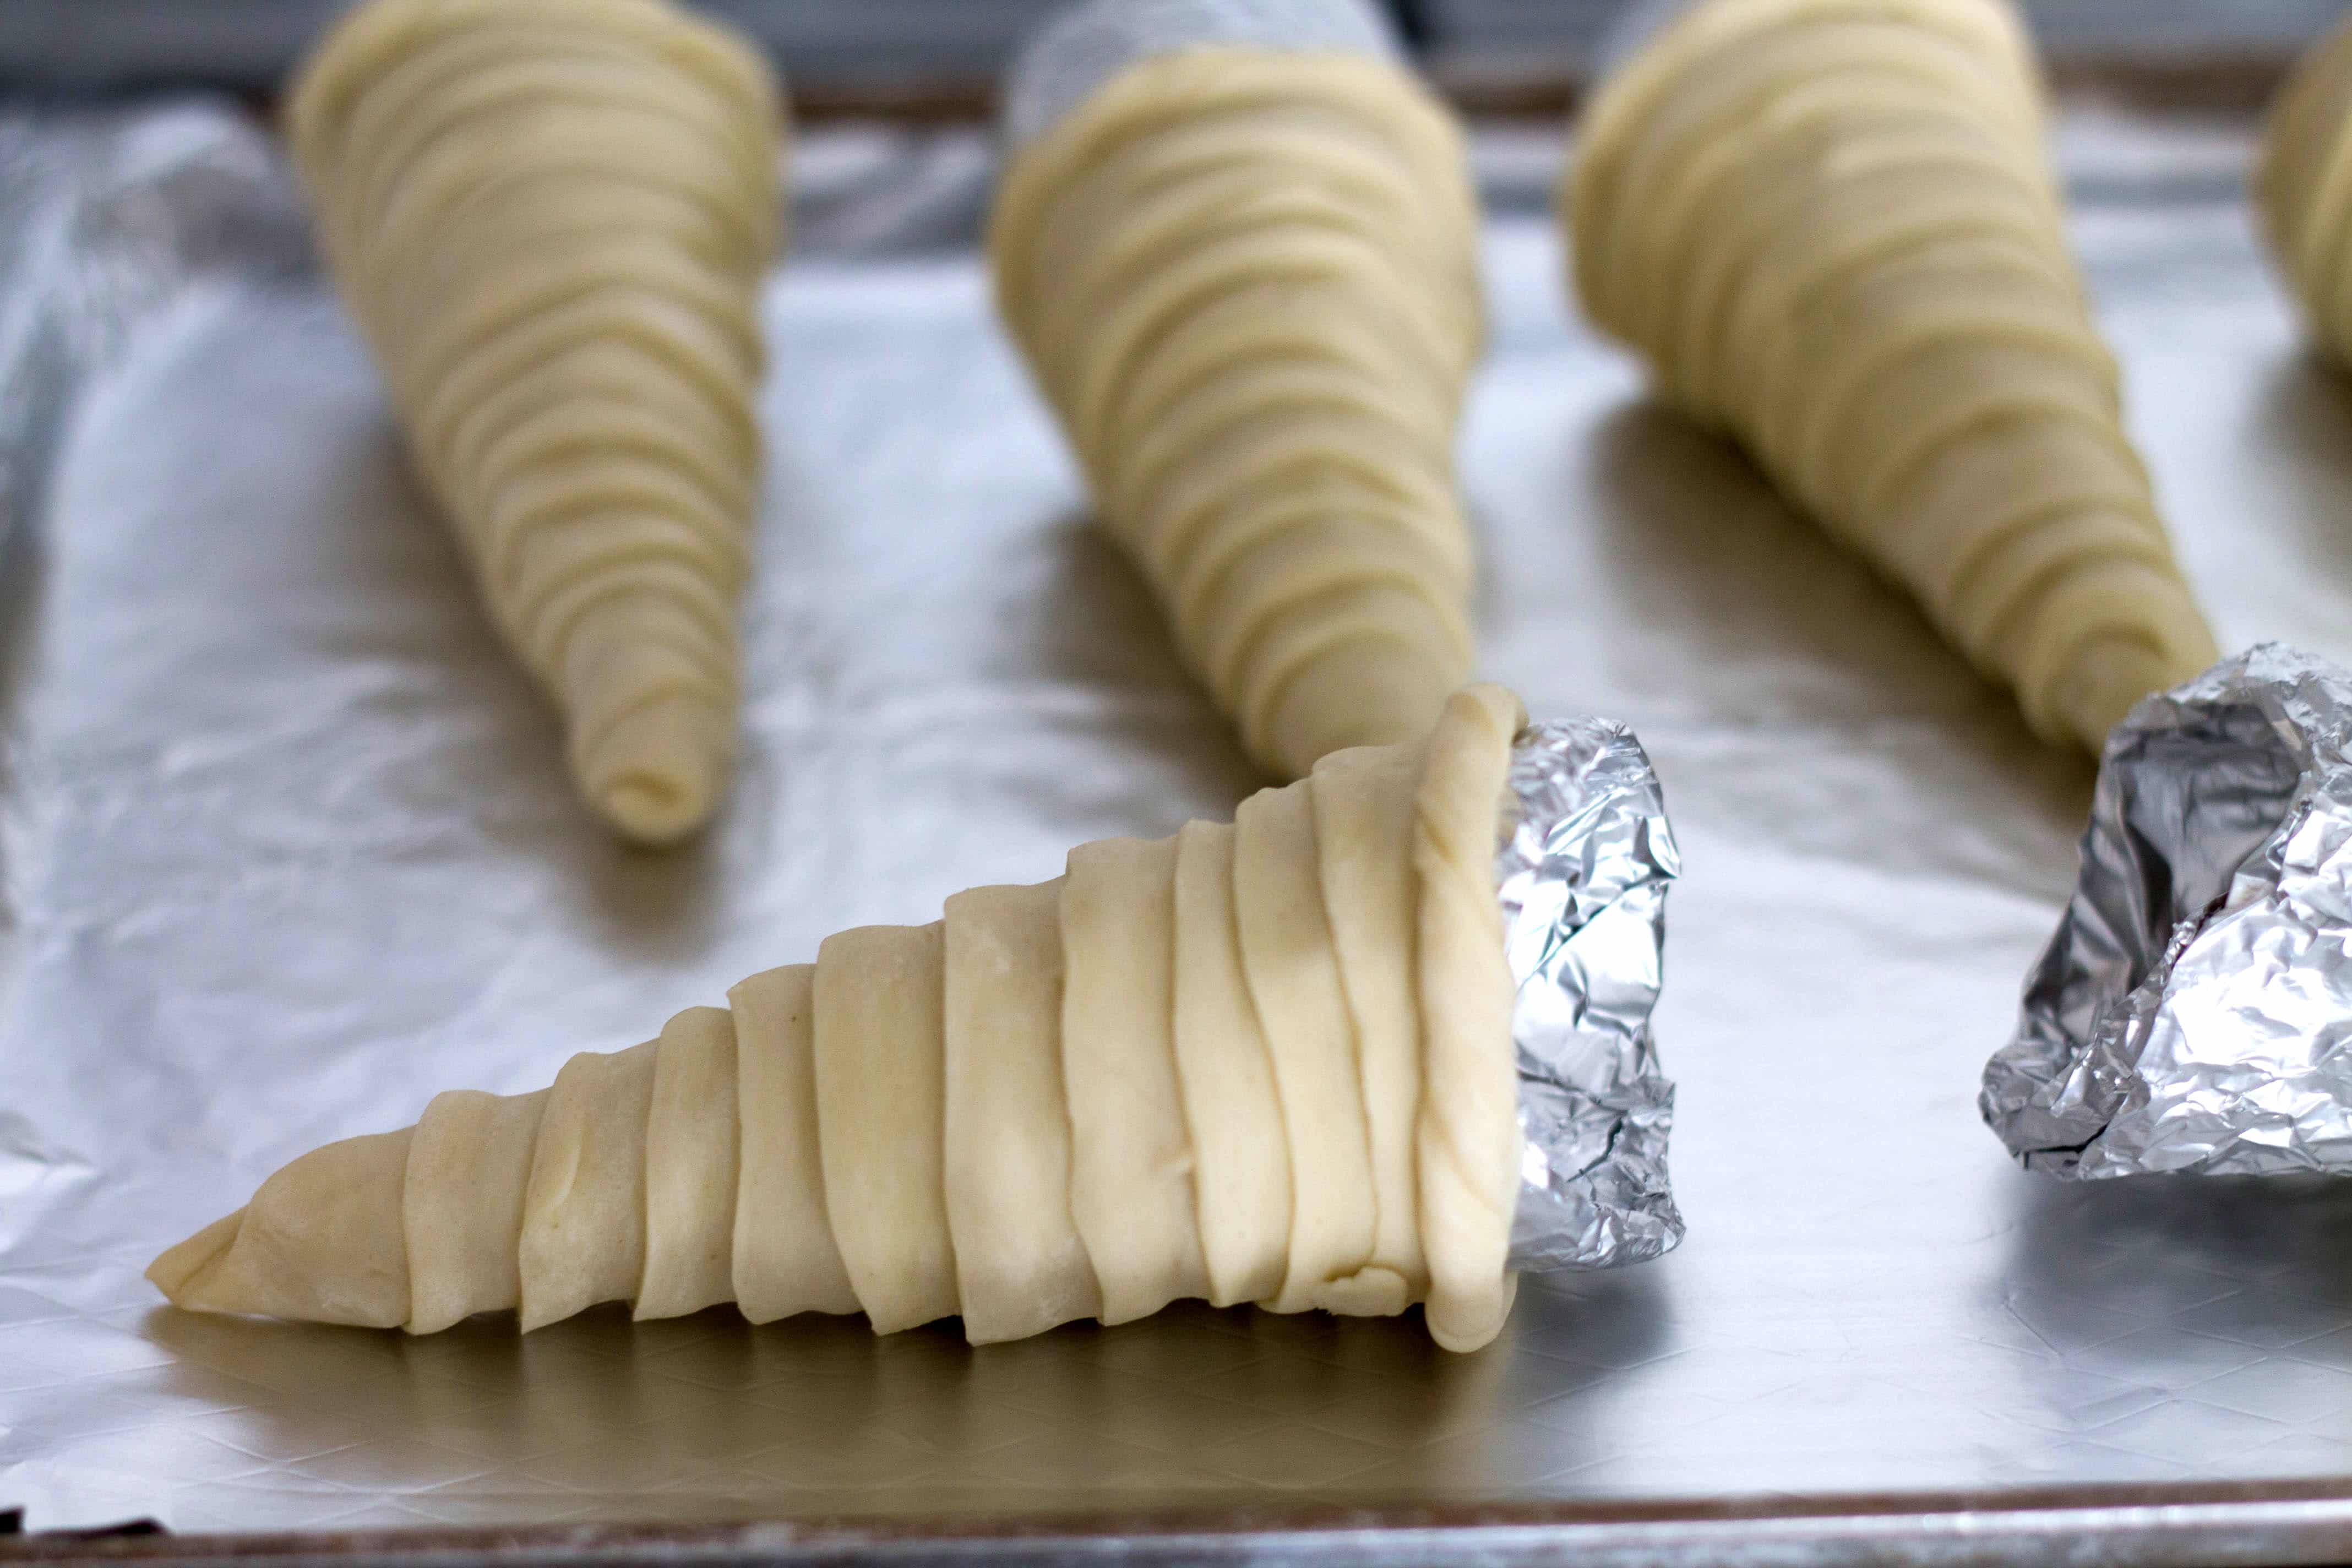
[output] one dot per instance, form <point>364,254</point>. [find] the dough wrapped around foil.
<point>2303,187</point>
<point>1830,228</point>
<point>2193,1009</point>
<point>1274,1061</point>
<point>991,1115</point>
<point>550,219</point>
<point>1237,244</point>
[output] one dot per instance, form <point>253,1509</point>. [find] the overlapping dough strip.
<point>1267,1064</point>
<point>550,219</point>
<point>1830,226</point>
<point>1245,281</point>
<point>2303,186</point>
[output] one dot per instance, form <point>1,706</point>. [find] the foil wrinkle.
<point>2194,1009</point>
<point>288,845</point>
<point>107,217</point>
<point>1582,877</point>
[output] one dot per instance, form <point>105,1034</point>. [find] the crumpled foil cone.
<point>2194,1009</point>
<point>1583,880</point>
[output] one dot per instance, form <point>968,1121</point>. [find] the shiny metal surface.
<point>287,848</point>
<point>2193,1526</point>
<point>105,220</point>
<point>2191,1013</point>
<point>1582,877</point>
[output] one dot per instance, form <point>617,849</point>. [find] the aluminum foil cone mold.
<point>550,220</point>
<point>2191,1010</point>
<point>1830,228</point>
<point>2301,191</point>
<point>1271,1060</point>
<point>1584,879</point>
<point>1236,245</point>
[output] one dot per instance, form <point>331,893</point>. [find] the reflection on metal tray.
<point>288,848</point>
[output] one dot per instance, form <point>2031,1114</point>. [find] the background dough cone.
<point>1245,281</point>
<point>1830,228</point>
<point>992,1115</point>
<point>2304,186</point>
<point>550,219</point>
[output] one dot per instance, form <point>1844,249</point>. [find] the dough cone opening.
<point>654,773</point>
<point>649,805</point>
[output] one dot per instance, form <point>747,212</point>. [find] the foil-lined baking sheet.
<point>288,847</point>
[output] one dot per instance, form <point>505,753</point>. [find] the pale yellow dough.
<point>1241,1150</point>
<point>550,219</point>
<point>1271,1064</point>
<point>2303,186</point>
<point>1246,281</point>
<point>1022,1266</point>
<point>881,1106</point>
<point>1830,228</point>
<point>786,1260</point>
<point>1132,1188</point>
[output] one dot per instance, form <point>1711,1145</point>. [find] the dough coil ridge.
<point>1244,280</point>
<point>550,219</point>
<point>1828,227</point>
<point>2303,188</point>
<point>1258,1063</point>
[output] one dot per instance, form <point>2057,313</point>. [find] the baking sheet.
<point>288,848</point>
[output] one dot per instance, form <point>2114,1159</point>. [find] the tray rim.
<point>2196,1525</point>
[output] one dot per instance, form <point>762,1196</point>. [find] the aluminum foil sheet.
<point>105,220</point>
<point>2192,1012</point>
<point>1087,44</point>
<point>286,846</point>
<point>1583,881</point>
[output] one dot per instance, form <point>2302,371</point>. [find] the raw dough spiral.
<point>550,219</point>
<point>2303,186</point>
<point>1266,1061</point>
<point>1830,228</point>
<point>1245,280</point>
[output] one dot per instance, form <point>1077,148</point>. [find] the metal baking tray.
<point>287,848</point>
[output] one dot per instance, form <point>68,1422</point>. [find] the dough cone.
<point>1271,1061</point>
<point>1245,278</point>
<point>1829,226</point>
<point>2303,188</point>
<point>550,219</point>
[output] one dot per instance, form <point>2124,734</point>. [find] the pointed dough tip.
<point>654,773</point>
<point>321,1241</point>
<point>180,1271</point>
